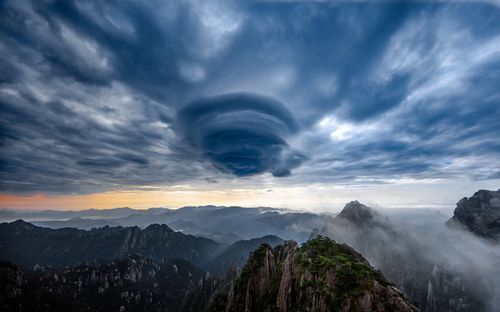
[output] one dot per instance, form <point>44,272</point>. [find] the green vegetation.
<point>353,276</point>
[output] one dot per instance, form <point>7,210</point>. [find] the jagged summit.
<point>361,215</point>
<point>479,214</point>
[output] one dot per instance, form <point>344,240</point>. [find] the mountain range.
<point>358,260</point>
<point>222,224</point>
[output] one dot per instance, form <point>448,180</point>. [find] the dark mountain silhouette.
<point>223,224</point>
<point>29,245</point>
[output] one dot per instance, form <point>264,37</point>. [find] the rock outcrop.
<point>321,275</point>
<point>479,214</point>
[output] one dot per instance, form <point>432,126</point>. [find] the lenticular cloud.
<point>241,133</point>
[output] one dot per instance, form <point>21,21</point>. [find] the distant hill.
<point>237,254</point>
<point>223,224</point>
<point>11,214</point>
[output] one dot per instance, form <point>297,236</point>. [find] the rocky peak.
<point>360,215</point>
<point>320,275</point>
<point>479,214</point>
<point>159,228</point>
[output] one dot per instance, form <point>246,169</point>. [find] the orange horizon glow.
<point>313,197</point>
<point>114,199</point>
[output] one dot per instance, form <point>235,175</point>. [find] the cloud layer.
<point>103,96</point>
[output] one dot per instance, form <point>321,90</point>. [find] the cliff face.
<point>449,292</point>
<point>479,214</point>
<point>319,276</point>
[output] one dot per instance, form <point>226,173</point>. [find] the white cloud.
<point>219,22</point>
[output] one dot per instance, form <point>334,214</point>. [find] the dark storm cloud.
<point>102,95</point>
<point>241,133</point>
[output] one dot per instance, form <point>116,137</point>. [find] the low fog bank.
<point>442,269</point>
<point>418,219</point>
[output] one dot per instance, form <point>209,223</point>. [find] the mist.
<point>441,268</point>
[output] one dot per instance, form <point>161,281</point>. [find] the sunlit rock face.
<point>479,214</point>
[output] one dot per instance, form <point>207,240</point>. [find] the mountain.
<point>237,254</point>
<point>319,276</point>
<point>439,272</point>
<point>360,215</point>
<point>29,245</point>
<point>78,222</point>
<point>479,214</point>
<point>11,214</point>
<point>132,284</point>
<point>222,224</point>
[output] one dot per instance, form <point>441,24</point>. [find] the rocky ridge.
<point>321,275</point>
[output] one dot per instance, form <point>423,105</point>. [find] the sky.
<point>294,104</point>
